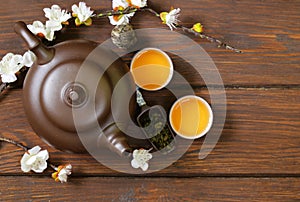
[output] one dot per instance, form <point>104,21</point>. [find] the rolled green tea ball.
<point>123,36</point>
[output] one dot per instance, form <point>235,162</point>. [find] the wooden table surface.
<point>258,155</point>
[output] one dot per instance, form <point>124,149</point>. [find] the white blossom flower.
<point>12,63</point>
<point>120,19</point>
<point>171,18</point>
<point>29,58</point>
<point>140,159</point>
<point>49,34</point>
<point>57,16</point>
<point>116,4</point>
<point>38,28</point>
<point>119,5</point>
<point>9,65</point>
<point>82,13</point>
<point>52,26</point>
<point>139,3</point>
<point>34,159</point>
<point>61,175</point>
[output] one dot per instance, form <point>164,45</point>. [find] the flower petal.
<point>171,18</point>
<point>43,155</point>
<point>8,78</point>
<point>54,175</point>
<point>34,150</point>
<point>83,13</point>
<point>135,164</point>
<point>139,3</point>
<point>163,16</point>
<point>31,160</point>
<point>88,22</point>
<point>118,3</point>
<point>15,64</point>
<point>56,14</point>
<point>198,27</point>
<point>25,168</point>
<point>135,153</point>
<point>49,35</point>
<point>112,20</point>
<point>141,158</point>
<point>53,25</point>
<point>37,27</point>
<point>145,166</point>
<point>29,58</point>
<point>47,12</point>
<point>63,177</point>
<point>40,167</point>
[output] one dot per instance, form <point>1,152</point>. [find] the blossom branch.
<point>209,38</point>
<point>129,10</point>
<point>3,139</point>
<point>37,159</point>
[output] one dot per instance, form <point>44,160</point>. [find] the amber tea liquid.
<point>151,69</point>
<point>190,117</point>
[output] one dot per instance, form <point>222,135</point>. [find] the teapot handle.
<point>44,54</point>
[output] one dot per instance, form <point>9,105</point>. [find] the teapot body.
<point>71,94</point>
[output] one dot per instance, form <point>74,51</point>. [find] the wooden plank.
<point>267,32</point>
<point>261,137</point>
<point>150,189</point>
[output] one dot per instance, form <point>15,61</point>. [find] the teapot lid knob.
<point>44,54</point>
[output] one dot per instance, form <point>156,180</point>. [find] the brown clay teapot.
<point>53,94</point>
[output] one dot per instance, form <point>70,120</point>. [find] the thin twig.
<point>128,10</point>
<point>209,38</point>
<point>150,10</point>
<point>53,166</point>
<point>3,139</point>
<point>3,87</point>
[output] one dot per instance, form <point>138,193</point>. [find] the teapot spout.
<point>113,139</point>
<point>43,53</point>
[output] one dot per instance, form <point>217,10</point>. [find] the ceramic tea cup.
<point>191,117</point>
<point>152,69</point>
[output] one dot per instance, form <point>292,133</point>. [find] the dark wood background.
<point>258,155</point>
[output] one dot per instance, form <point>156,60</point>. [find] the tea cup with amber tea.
<point>191,117</point>
<point>152,69</point>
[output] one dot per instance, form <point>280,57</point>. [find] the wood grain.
<point>261,137</point>
<point>258,155</point>
<point>267,32</point>
<point>154,189</point>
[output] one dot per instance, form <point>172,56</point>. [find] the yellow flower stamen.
<point>198,27</point>
<point>129,3</point>
<point>65,23</point>
<point>163,17</point>
<point>77,22</point>
<point>118,17</point>
<point>55,174</point>
<point>88,22</point>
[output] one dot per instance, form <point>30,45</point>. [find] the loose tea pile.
<point>155,127</point>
